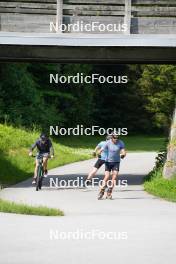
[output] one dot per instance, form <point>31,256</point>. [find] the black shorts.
<point>112,166</point>
<point>41,155</point>
<point>99,163</point>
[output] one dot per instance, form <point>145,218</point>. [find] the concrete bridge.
<point>149,35</point>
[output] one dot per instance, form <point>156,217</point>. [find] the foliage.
<point>144,104</point>
<point>158,85</point>
<point>156,184</point>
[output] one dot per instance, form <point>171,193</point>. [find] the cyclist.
<point>116,151</point>
<point>45,148</point>
<point>101,160</point>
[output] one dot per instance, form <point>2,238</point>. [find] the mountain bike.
<point>40,172</point>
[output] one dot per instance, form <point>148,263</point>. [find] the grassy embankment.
<point>16,165</point>
<point>158,186</point>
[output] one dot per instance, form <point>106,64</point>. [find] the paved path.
<point>142,227</point>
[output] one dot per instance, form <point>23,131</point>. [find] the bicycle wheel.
<point>39,178</point>
<point>40,181</point>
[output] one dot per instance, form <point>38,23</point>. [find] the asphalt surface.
<point>134,227</point>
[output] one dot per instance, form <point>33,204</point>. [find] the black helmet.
<point>43,136</point>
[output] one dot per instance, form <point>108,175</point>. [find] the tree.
<point>19,97</point>
<point>158,85</point>
<point>121,105</point>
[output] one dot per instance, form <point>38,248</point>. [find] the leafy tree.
<point>158,86</point>
<point>143,105</point>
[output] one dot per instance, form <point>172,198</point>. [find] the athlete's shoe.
<point>101,194</point>
<point>34,181</point>
<point>45,174</point>
<point>109,194</point>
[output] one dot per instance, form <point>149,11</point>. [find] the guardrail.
<point>141,16</point>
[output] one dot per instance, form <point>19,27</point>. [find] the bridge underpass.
<point>88,48</point>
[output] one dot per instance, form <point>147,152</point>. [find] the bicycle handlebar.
<point>34,156</point>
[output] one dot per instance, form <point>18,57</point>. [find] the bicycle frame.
<point>39,174</point>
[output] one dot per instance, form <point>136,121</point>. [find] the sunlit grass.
<point>164,188</point>
<point>11,207</point>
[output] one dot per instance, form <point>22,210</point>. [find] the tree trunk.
<point>170,164</point>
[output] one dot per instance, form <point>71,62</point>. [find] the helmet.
<point>43,136</point>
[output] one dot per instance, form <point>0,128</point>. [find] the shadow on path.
<point>70,179</point>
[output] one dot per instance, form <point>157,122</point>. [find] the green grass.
<point>16,165</point>
<point>144,143</point>
<point>161,187</point>
<point>133,143</point>
<point>11,207</point>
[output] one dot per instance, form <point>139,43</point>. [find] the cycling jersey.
<point>113,150</point>
<point>104,153</point>
<point>43,147</point>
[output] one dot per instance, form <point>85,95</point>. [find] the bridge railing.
<point>153,16</point>
<point>27,15</point>
<point>89,11</point>
<point>141,16</point>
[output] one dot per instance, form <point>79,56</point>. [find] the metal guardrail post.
<point>59,14</point>
<point>127,17</point>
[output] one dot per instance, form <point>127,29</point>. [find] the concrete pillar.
<point>170,164</point>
